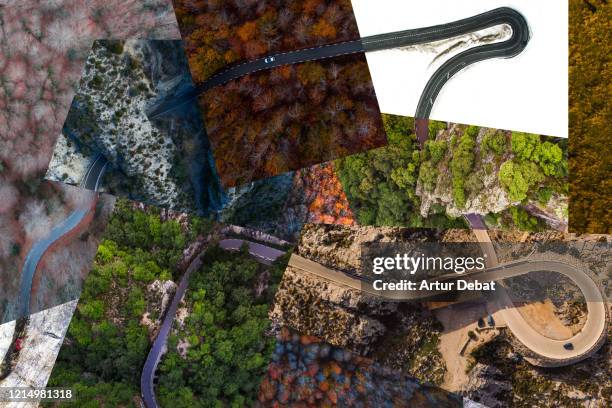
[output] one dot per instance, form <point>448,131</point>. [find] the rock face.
<point>397,335</point>
<point>554,213</point>
<point>328,311</point>
<point>163,290</point>
<point>165,161</point>
<point>6,336</point>
<point>481,186</point>
<point>259,204</point>
<point>339,247</point>
<point>68,163</point>
<point>160,294</point>
<point>122,131</point>
<point>44,336</point>
<point>485,385</point>
<point>491,198</point>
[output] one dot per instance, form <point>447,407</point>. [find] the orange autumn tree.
<point>255,28</point>
<point>324,195</point>
<point>324,29</point>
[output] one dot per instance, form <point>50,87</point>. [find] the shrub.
<point>435,127</point>
<point>543,195</point>
<point>518,178</point>
<point>523,221</point>
<point>461,165</point>
<point>436,149</point>
<point>524,144</point>
<point>495,141</point>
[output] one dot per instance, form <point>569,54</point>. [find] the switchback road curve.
<point>504,49</point>
<point>584,342</point>
<point>498,16</point>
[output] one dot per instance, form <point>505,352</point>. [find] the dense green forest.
<point>228,301</point>
<point>380,184</point>
<point>539,166</point>
<point>106,344</point>
<point>590,113</point>
<point>528,166</point>
<point>537,169</point>
<point>387,186</point>
<point>228,350</point>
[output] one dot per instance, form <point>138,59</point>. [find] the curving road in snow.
<point>39,248</point>
<point>91,180</point>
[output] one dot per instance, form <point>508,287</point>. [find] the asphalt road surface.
<point>509,48</point>
<point>475,221</point>
<point>504,49</point>
<point>147,377</point>
<point>94,173</point>
<point>584,342</point>
<point>261,253</point>
<point>40,247</point>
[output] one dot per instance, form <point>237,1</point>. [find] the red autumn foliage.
<point>324,195</point>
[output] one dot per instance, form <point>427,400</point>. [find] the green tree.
<point>435,126</point>
<point>495,141</point>
<point>436,150</point>
<point>524,145</point>
<point>518,178</point>
<point>462,163</point>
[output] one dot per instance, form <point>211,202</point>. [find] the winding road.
<point>261,253</point>
<point>504,49</point>
<point>38,250</point>
<point>147,377</point>
<point>91,180</point>
<point>95,171</point>
<point>586,341</point>
<point>509,48</point>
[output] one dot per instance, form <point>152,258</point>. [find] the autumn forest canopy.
<point>220,33</point>
<point>589,117</point>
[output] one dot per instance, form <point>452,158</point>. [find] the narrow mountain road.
<point>37,251</point>
<point>498,16</point>
<point>91,180</point>
<point>588,340</point>
<point>584,342</point>
<point>147,387</point>
<point>261,253</point>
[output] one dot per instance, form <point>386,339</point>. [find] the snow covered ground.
<point>45,334</point>
<point>67,164</point>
